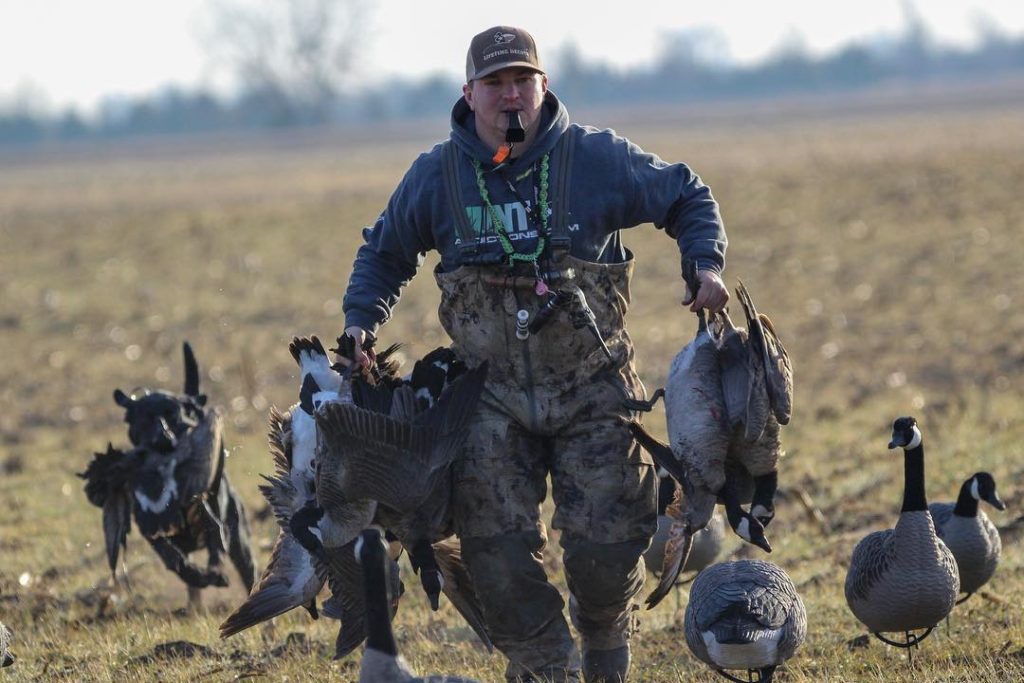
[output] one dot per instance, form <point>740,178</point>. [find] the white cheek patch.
<point>915,441</point>
<point>743,529</point>
<point>975,493</point>
<point>169,493</point>
<point>760,511</point>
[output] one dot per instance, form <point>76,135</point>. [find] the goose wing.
<point>769,355</point>
<point>117,520</point>
<point>289,581</point>
<point>200,457</point>
<point>941,513</point>
<point>390,460</point>
<point>732,362</point>
<point>458,587</point>
<point>6,658</point>
<point>871,560</point>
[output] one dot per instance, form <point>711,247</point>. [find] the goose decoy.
<point>173,483</point>
<point>402,460</point>
<point>904,579</point>
<point>381,661</point>
<point>744,615</point>
<point>6,637</point>
<point>968,533</point>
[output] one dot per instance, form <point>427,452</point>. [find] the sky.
<point>64,53</point>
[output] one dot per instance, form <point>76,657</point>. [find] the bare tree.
<point>292,56</point>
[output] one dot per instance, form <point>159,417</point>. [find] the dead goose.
<point>6,637</point>
<point>744,615</point>
<point>707,543</point>
<point>402,460</point>
<point>292,577</point>
<point>968,533</point>
<point>381,661</point>
<point>904,579</point>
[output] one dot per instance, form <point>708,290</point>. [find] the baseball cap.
<point>499,48</point>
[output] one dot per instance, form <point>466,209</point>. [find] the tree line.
<point>300,80</point>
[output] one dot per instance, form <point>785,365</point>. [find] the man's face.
<point>494,95</point>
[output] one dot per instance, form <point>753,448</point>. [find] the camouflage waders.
<point>553,404</point>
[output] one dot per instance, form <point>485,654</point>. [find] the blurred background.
<point>107,69</point>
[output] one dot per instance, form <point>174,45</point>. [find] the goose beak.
<point>994,500</point>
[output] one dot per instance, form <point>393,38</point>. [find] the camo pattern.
<point>553,405</point>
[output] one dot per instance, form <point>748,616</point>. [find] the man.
<point>525,211</point>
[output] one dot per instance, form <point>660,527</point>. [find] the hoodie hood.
<point>554,120</point>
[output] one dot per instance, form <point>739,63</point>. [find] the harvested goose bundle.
<point>969,534</point>
<point>709,456</point>
<point>904,579</point>
<point>403,460</point>
<point>172,482</point>
<point>744,615</point>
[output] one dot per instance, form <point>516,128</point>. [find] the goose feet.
<point>965,598</point>
<point>764,675</point>
<point>911,641</point>
<point>640,405</point>
<point>423,561</point>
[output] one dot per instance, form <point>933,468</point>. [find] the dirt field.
<point>887,245</point>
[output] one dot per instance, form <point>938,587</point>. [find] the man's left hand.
<point>711,294</point>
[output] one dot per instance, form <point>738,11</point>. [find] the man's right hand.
<point>361,358</point>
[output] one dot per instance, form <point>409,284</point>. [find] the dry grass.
<point>887,248</point>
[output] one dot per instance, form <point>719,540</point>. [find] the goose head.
<point>749,529</point>
<point>905,434</point>
<point>983,487</point>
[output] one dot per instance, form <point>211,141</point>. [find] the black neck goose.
<point>744,615</point>
<point>904,579</point>
<point>968,533</point>
<point>381,661</point>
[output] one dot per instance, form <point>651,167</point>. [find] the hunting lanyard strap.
<point>499,224</point>
<point>557,236</point>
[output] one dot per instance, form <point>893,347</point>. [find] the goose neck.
<point>966,503</point>
<point>379,635</point>
<point>913,480</point>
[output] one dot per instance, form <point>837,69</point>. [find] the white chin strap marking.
<point>743,529</point>
<point>915,441</point>
<point>974,489</point>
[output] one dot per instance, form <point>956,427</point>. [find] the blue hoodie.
<point>614,185</point>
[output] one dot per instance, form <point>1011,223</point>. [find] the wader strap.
<point>560,240</point>
<point>468,238</point>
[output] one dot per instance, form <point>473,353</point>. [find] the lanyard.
<point>499,225</point>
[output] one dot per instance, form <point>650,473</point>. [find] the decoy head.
<point>905,434</point>
<point>370,547</point>
<point>983,487</point>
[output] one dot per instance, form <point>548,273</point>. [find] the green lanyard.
<point>499,225</point>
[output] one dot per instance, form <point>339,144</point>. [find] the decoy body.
<point>174,485</point>
<point>905,578</point>
<point>968,533</point>
<point>6,657</point>
<point>727,393</point>
<point>381,661</point>
<point>744,615</point>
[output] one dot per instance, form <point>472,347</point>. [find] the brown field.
<point>887,244</point>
